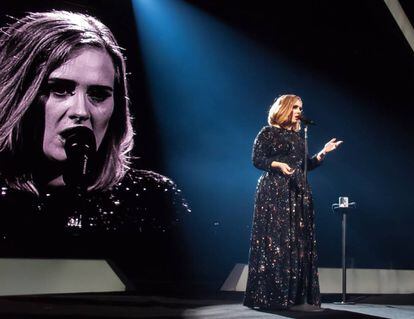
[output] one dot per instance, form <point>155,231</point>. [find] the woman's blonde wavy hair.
<point>280,113</point>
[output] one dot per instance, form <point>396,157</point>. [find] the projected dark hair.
<point>30,49</point>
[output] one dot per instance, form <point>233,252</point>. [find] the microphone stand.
<point>306,122</point>
<point>305,179</point>
<point>305,166</point>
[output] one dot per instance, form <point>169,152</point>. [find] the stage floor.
<point>219,305</point>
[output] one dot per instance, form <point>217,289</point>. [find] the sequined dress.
<point>137,223</point>
<point>283,257</point>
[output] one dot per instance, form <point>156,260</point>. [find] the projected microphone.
<point>80,148</point>
<point>306,121</point>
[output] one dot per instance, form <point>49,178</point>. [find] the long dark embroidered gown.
<point>283,257</point>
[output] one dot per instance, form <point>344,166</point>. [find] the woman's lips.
<point>62,135</point>
<point>65,133</point>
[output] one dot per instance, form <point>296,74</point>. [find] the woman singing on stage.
<point>283,258</point>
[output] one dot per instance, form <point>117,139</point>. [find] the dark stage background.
<point>202,76</point>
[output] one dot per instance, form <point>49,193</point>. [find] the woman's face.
<point>296,112</point>
<point>80,93</point>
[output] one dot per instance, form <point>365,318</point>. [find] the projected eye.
<point>99,93</point>
<point>61,88</point>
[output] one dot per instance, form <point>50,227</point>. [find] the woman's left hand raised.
<point>331,145</point>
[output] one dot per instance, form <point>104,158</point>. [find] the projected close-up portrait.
<point>68,187</point>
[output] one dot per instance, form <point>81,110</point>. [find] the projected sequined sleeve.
<point>143,205</point>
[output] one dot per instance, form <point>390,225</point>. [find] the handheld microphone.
<point>80,148</point>
<point>306,121</point>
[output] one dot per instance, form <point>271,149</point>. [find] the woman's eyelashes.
<point>60,88</point>
<point>99,93</point>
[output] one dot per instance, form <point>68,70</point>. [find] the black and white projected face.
<point>80,93</point>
